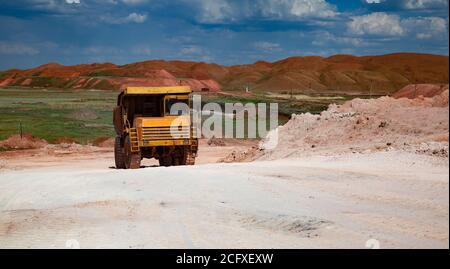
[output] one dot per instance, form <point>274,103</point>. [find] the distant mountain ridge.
<point>345,74</point>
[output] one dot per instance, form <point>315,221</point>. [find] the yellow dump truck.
<point>148,126</point>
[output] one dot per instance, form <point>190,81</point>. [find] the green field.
<point>52,114</point>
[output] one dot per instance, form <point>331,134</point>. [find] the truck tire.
<point>188,157</point>
<point>177,161</point>
<point>132,159</point>
<point>165,161</point>
<point>182,157</point>
<point>118,154</point>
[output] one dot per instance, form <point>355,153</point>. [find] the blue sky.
<point>34,32</point>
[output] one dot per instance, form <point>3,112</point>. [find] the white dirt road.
<point>386,199</point>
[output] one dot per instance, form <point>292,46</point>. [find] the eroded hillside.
<point>339,74</point>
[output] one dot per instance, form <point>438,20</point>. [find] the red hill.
<point>339,74</point>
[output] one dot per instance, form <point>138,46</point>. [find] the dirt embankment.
<point>26,141</point>
<point>413,91</point>
<point>419,125</point>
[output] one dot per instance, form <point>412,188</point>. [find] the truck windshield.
<point>177,107</point>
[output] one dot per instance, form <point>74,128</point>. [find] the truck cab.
<point>154,122</point>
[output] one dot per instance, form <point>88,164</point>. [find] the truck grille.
<point>165,133</point>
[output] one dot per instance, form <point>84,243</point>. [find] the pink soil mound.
<point>365,124</point>
<point>27,141</point>
<point>415,90</point>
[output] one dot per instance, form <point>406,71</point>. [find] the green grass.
<point>52,114</point>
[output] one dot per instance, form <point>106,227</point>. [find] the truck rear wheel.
<point>189,157</point>
<point>132,159</point>
<point>165,161</point>
<point>118,154</point>
<point>182,157</point>
<point>177,161</point>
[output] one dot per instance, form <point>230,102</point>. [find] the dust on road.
<point>398,199</point>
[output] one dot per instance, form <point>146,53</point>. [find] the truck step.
<point>134,140</point>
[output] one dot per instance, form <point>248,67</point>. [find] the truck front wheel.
<point>119,154</point>
<point>132,159</point>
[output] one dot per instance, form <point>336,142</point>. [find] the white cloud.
<point>136,17</point>
<point>424,4</point>
<point>384,24</point>
<point>296,8</point>
<point>189,50</point>
<point>413,4</point>
<point>267,46</point>
<point>222,11</point>
<point>313,8</point>
<point>325,38</point>
<point>378,23</point>
<point>14,48</point>
<point>213,11</point>
<point>55,6</point>
<point>132,17</point>
<point>424,35</point>
<point>426,27</point>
